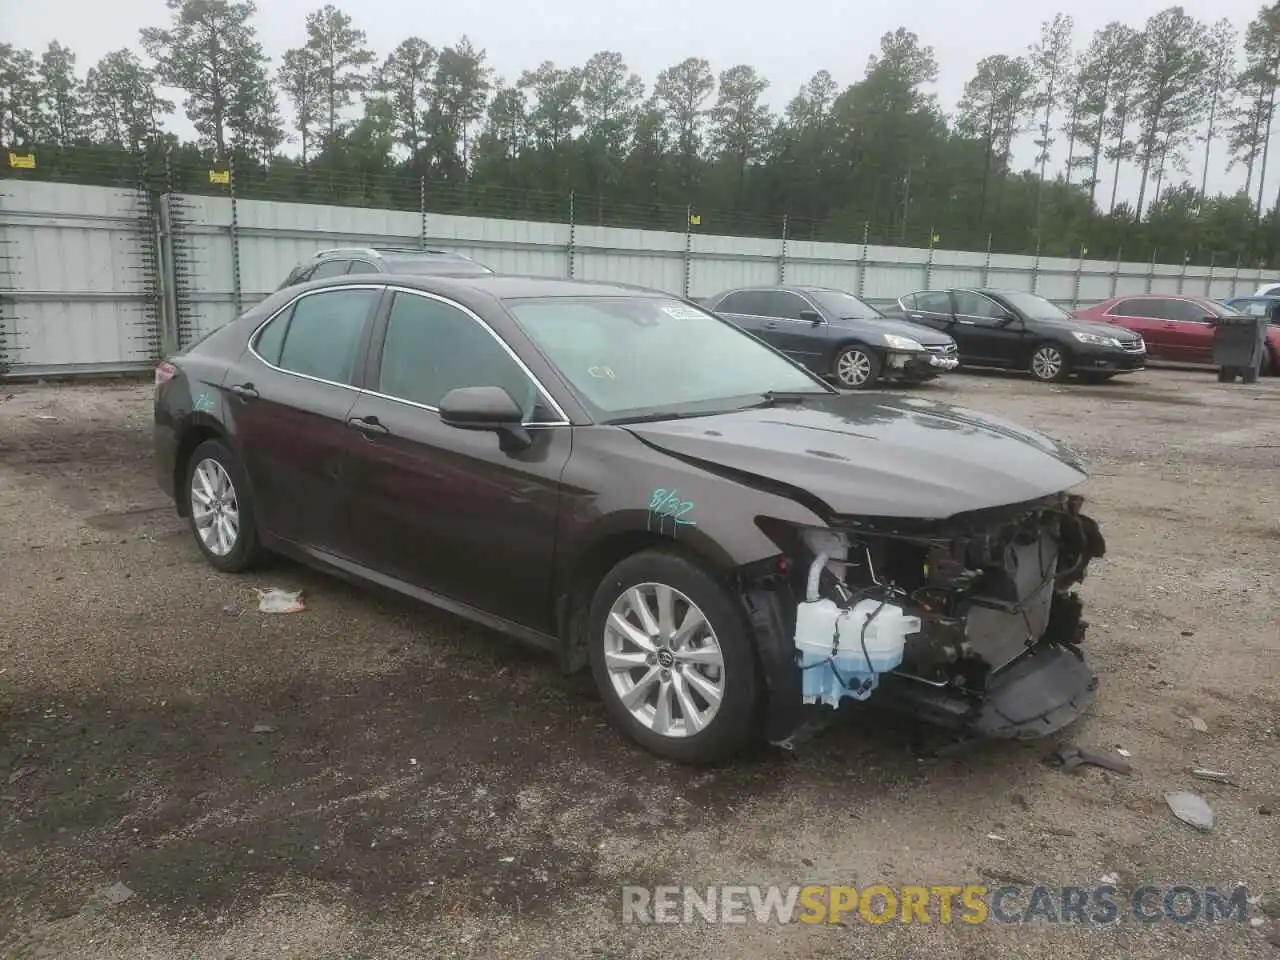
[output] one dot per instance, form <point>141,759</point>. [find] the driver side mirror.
<point>486,408</point>
<point>1006,318</point>
<point>812,316</point>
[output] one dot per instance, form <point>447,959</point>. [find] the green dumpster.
<point>1239,346</point>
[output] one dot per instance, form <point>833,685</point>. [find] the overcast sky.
<point>787,42</point>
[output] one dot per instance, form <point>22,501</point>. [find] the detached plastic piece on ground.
<point>1192,809</point>
<point>843,650</point>
<point>276,600</point>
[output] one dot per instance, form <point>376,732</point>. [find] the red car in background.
<point>1177,328</point>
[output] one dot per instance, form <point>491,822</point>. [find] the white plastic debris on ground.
<point>276,600</point>
<point>1191,809</point>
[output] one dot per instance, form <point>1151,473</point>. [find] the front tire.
<point>220,508</point>
<point>673,660</point>
<point>855,367</point>
<point>1050,363</point>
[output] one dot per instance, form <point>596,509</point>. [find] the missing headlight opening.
<point>970,623</point>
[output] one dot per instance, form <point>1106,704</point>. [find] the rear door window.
<point>324,334</point>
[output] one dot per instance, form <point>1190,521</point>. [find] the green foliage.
<point>878,160</point>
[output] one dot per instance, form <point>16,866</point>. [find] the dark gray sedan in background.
<point>837,335</point>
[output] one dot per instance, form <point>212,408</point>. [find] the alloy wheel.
<point>214,507</point>
<point>664,660</point>
<point>853,368</point>
<point>1047,363</point>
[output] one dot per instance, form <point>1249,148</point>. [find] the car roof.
<point>335,253</point>
<point>502,286</point>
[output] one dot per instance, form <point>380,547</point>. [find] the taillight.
<point>165,372</point>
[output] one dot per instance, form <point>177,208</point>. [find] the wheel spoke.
<point>666,610</point>
<point>693,620</point>
<point>707,656</point>
<point>640,692</point>
<point>203,518</point>
<point>662,712</point>
<point>709,691</point>
<point>631,632</point>
<point>618,661</point>
<point>640,605</point>
<point>206,485</point>
<point>693,721</point>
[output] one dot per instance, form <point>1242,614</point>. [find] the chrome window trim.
<point>257,333</point>
<point>564,422</point>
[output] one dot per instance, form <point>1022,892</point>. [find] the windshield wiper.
<point>771,398</point>
<point>655,417</point>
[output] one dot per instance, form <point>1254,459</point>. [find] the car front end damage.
<point>971,623</point>
<point>922,364</point>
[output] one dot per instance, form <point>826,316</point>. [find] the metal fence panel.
<point>80,289</point>
<point>83,288</point>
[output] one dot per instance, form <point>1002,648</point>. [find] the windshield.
<point>424,266</point>
<point>844,305</point>
<point>640,356</point>
<point>1035,306</point>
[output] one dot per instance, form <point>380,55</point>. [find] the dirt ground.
<point>370,778</point>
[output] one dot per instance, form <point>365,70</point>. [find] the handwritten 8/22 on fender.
<point>667,506</point>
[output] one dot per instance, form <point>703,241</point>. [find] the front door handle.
<point>917,316</point>
<point>967,323</point>
<point>245,391</point>
<point>369,426</point>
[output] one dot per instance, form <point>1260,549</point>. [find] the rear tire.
<point>1050,363</point>
<point>698,658</point>
<point>1250,375</point>
<point>1226,375</point>
<point>220,508</point>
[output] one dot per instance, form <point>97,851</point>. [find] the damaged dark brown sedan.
<point>620,476</point>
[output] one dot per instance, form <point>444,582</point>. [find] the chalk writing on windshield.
<point>204,402</point>
<point>668,507</point>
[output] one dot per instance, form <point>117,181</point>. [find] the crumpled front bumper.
<point>916,364</point>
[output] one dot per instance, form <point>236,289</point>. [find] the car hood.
<point>877,456</point>
<point>1086,326</point>
<point>879,327</point>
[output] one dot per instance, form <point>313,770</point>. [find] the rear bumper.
<point>1109,361</point>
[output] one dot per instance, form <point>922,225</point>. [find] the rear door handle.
<point>967,323</point>
<point>369,426</point>
<point>245,391</point>
<point>917,316</point>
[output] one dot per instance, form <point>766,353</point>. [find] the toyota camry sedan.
<point>729,545</point>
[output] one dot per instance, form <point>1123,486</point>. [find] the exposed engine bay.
<point>971,623</point>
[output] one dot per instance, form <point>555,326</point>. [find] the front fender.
<point>615,485</point>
